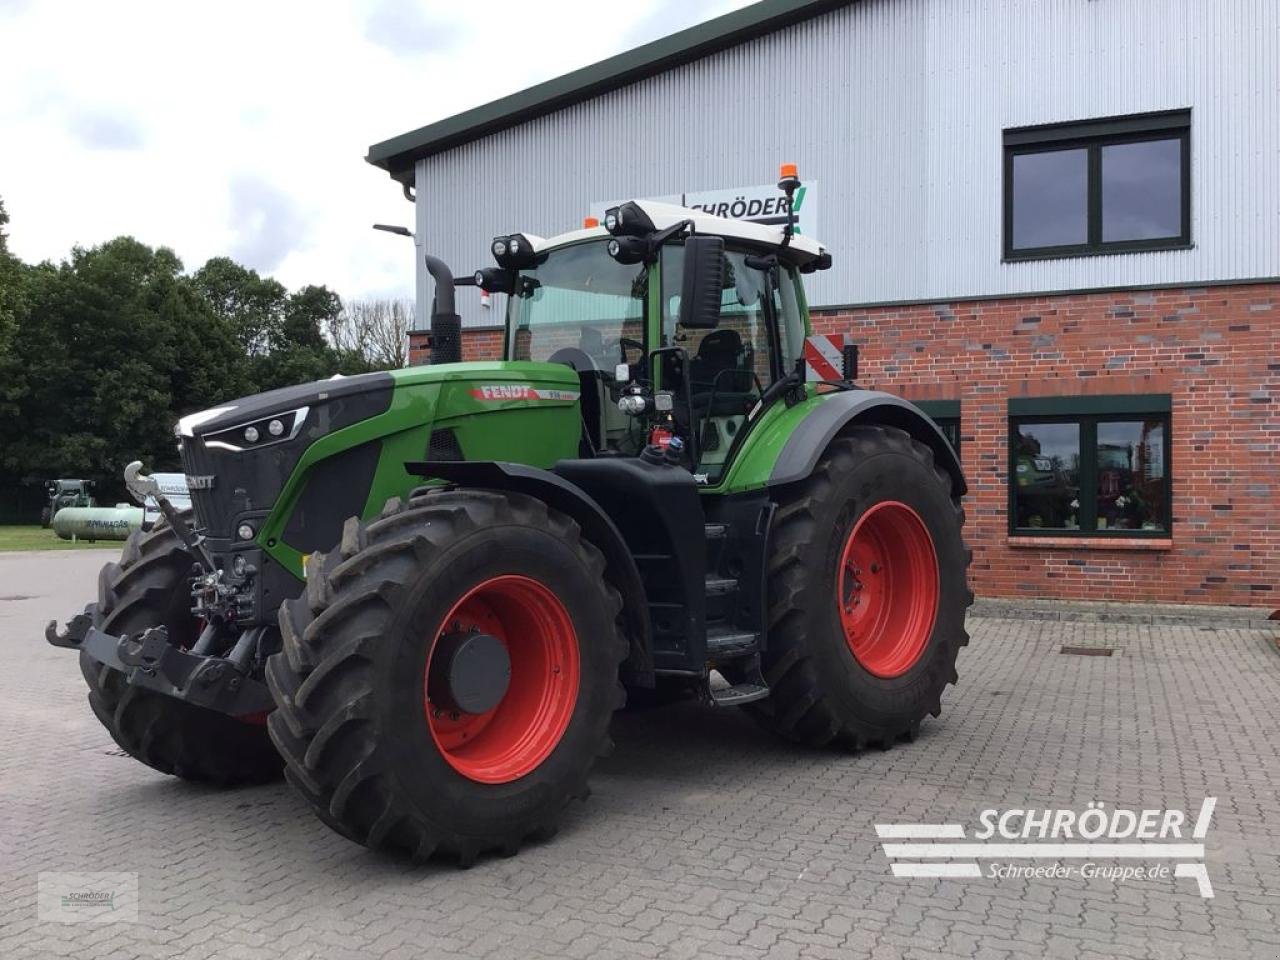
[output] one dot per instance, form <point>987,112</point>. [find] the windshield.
<point>579,300</point>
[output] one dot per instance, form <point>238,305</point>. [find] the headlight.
<point>628,249</point>
<point>628,218</point>
<point>244,531</point>
<point>258,433</point>
<point>513,252</point>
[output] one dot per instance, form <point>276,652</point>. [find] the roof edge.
<point>398,154</point>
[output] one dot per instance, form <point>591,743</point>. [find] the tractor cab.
<point>677,323</point>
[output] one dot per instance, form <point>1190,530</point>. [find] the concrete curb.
<point>1181,615</point>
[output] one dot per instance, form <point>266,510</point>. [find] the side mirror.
<point>703,283</point>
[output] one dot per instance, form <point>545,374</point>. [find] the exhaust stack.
<point>446,325</point>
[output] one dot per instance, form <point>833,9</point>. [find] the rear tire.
<point>149,588</point>
<point>870,681</point>
<point>46,517</point>
<point>378,761</point>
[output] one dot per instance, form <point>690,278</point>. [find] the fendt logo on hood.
<point>519,391</point>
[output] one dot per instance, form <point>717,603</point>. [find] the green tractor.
<point>64,493</point>
<point>424,592</point>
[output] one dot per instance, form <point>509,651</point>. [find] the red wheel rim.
<point>511,740</point>
<point>887,589</point>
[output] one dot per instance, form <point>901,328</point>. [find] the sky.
<point>240,128</point>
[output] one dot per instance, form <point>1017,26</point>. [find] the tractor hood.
<point>343,443</point>
<point>366,395</point>
<point>341,401</point>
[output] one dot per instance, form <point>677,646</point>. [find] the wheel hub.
<point>502,679</point>
<point>887,588</point>
<point>470,672</point>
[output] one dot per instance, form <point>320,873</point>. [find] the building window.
<point>1096,466</point>
<point>1098,186</point>
<point>946,414</point>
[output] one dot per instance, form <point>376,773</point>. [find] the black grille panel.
<point>337,488</point>
<point>443,447</point>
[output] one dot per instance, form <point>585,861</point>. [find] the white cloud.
<point>240,128</point>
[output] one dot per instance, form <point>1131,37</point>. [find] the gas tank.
<point>97,523</point>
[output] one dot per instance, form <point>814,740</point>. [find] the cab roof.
<point>802,249</point>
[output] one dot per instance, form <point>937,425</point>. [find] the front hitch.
<point>150,661</point>
<point>77,627</point>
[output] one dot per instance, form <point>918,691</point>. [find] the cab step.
<point>725,642</point>
<point>749,687</point>
<point>738,694</point>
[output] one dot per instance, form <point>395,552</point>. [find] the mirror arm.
<point>656,240</point>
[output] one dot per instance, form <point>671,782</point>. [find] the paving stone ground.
<point>704,837</point>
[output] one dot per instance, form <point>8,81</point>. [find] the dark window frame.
<point>946,414</point>
<point>1088,413</point>
<point>1092,136</point>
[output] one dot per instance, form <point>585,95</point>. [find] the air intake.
<point>443,447</point>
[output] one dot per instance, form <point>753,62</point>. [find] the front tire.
<point>867,593</point>
<point>371,736</point>
<point>147,588</point>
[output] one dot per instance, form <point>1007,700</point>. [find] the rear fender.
<point>839,411</point>
<point>573,501</point>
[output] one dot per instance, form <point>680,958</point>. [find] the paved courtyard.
<point>704,837</point>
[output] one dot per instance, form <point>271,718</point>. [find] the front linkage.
<point>150,660</point>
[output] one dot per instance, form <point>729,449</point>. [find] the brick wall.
<point>478,343</point>
<point>1215,350</point>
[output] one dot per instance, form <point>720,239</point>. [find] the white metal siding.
<point>897,107</point>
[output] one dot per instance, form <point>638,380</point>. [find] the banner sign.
<point>764,204</point>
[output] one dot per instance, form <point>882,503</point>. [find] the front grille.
<point>242,482</point>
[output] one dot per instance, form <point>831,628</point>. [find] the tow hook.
<point>77,629</point>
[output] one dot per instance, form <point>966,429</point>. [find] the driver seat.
<point>719,351</point>
<point>722,376</point>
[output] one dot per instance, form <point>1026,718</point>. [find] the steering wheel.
<point>574,357</point>
<point>626,343</point>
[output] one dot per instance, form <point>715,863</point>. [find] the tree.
<point>87,370</point>
<point>253,306</point>
<point>376,330</point>
<point>4,237</point>
<point>308,313</point>
<point>12,282</point>
<point>99,355</point>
